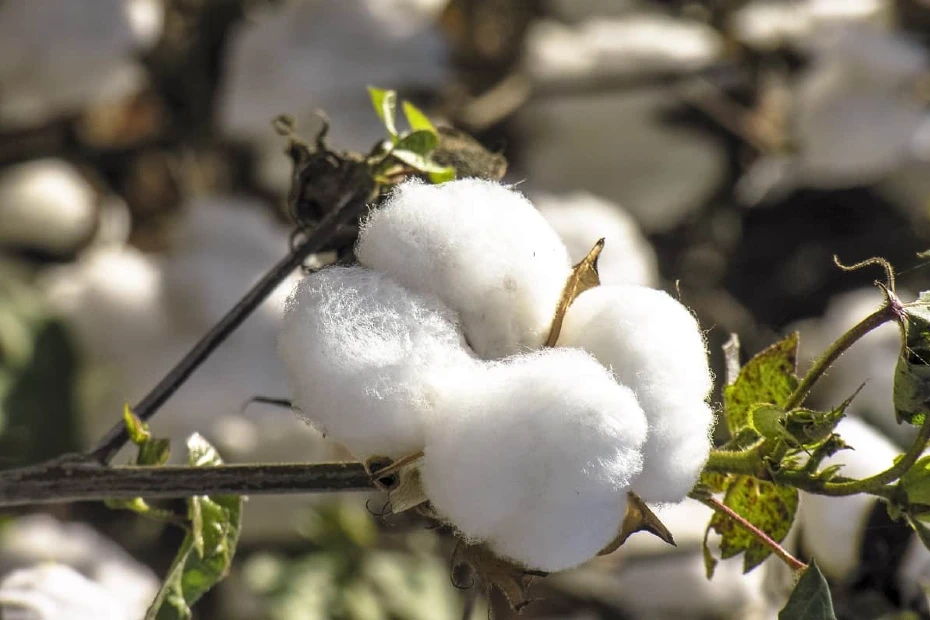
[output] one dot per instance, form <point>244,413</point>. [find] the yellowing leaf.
<point>584,276</point>
<point>769,507</point>
<point>769,377</point>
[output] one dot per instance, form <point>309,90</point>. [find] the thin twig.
<point>72,481</point>
<point>317,240</point>
<point>718,506</point>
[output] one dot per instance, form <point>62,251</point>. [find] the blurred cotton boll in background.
<point>50,570</point>
<point>309,55</point>
<point>854,117</point>
<point>59,56</point>
<point>46,206</point>
<point>136,315</point>
<point>637,44</point>
<point>581,219</point>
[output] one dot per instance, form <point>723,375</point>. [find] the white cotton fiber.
<point>653,344</point>
<point>481,248</point>
<point>534,455</point>
<point>359,348</point>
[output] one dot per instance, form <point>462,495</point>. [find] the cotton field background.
<point>725,150</point>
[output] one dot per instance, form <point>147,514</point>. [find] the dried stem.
<point>712,502</point>
<point>71,480</point>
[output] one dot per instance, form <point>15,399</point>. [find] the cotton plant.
<point>466,350</point>
<point>58,57</point>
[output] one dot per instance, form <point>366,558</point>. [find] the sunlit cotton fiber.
<point>358,348</point>
<point>534,455</point>
<point>654,345</point>
<point>480,247</point>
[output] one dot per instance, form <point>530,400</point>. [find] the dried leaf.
<point>584,276</point>
<point>511,579</point>
<point>409,491</point>
<point>639,518</point>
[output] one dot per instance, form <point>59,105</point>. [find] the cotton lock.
<point>359,349</point>
<point>653,344</point>
<point>534,455</point>
<point>480,247</point>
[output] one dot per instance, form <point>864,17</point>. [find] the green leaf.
<point>912,374</point>
<point>385,104</point>
<point>769,377</point>
<point>420,142</point>
<point>417,120</point>
<point>810,599</point>
<point>208,548</point>
<point>916,482</point>
<point>422,163</point>
<point>922,532</point>
<point>442,176</point>
<point>769,507</point>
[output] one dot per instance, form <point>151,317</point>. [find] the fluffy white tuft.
<point>482,249</point>
<point>359,348</point>
<point>653,344</point>
<point>534,455</point>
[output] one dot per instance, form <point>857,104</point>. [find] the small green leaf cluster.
<point>212,524</point>
<point>412,150</point>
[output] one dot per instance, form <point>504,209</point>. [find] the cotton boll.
<point>359,349</point>
<point>770,24</point>
<point>46,205</point>
<point>480,247</point>
<point>581,219</point>
<point>223,245</point>
<point>653,344</point>
<point>53,591</point>
<point>535,455</point>
<point>112,298</point>
<point>636,44</point>
<point>662,174</point>
<point>59,56</point>
<point>108,568</point>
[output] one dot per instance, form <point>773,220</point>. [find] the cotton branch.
<point>74,480</point>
